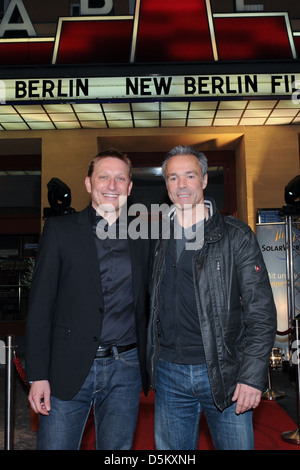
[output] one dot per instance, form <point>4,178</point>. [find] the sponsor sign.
<point>271,238</point>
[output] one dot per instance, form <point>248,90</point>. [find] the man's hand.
<point>39,397</point>
<point>246,398</point>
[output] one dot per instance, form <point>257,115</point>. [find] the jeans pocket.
<point>130,358</point>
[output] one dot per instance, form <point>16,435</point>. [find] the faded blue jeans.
<point>113,386</point>
<point>182,394</point>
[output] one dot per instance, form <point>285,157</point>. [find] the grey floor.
<point>23,438</point>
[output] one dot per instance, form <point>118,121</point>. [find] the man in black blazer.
<point>87,317</point>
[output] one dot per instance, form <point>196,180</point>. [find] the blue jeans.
<point>182,393</point>
<point>113,385</point>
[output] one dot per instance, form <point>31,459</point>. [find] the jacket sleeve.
<point>260,318</point>
<point>42,297</point>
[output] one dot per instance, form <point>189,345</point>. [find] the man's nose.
<point>112,183</point>
<point>181,182</point>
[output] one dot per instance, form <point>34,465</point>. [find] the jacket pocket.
<point>218,281</point>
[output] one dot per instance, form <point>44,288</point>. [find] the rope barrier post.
<point>9,396</point>
<point>271,394</point>
<point>294,436</point>
<point>292,217</point>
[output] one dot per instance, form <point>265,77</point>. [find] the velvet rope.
<point>283,333</point>
<point>20,370</point>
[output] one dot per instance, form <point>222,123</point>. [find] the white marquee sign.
<point>102,88</point>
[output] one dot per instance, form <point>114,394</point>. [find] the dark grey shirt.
<point>116,280</point>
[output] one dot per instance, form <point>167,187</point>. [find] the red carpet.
<point>269,419</point>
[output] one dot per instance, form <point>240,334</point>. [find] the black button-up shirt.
<point>116,279</point>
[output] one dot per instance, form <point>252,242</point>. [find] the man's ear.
<point>87,183</point>
<point>129,188</point>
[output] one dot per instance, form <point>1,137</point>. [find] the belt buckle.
<point>104,351</point>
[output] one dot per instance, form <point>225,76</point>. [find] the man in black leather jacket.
<point>213,318</point>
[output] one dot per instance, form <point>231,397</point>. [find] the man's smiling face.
<point>109,184</point>
<point>185,183</point>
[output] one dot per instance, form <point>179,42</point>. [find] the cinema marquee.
<point>143,87</point>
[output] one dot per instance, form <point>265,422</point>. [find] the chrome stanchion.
<point>271,394</point>
<point>292,216</point>
<point>9,396</point>
<point>294,436</point>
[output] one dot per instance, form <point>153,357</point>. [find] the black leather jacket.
<point>236,310</point>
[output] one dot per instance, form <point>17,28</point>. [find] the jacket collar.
<point>214,226</point>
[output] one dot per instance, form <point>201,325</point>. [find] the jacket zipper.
<point>154,357</point>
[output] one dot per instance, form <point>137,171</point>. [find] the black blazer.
<point>66,309</point>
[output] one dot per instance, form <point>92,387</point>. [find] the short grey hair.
<point>185,150</point>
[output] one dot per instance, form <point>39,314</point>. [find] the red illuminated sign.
<point>171,31</point>
<point>253,36</point>
<point>160,31</point>
<point>107,40</point>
